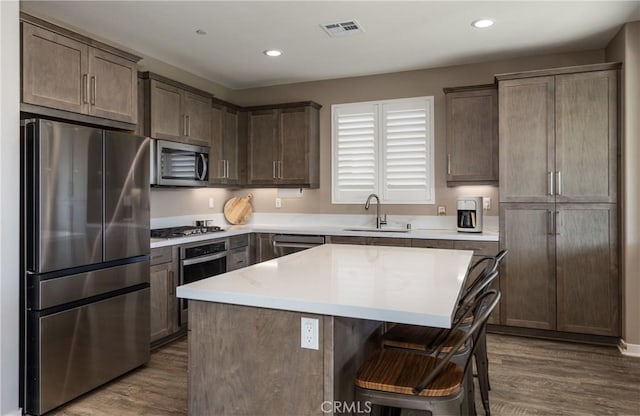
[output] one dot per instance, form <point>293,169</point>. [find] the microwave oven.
<point>179,164</point>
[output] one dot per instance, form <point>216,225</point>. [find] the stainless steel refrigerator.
<point>85,262</point>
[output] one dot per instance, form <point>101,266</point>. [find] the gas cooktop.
<point>188,230</point>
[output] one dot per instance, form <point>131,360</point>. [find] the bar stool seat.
<point>398,371</point>
<point>421,338</point>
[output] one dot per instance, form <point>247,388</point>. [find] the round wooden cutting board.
<point>238,210</point>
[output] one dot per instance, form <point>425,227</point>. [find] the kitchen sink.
<point>378,230</point>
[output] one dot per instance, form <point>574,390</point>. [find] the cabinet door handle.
<point>188,126</point>
<point>556,223</point>
<point>279,169</point>
<point>449,164</point>
<point>274,169</point>
<point>550,230</point>
<point>184,125</point>
<point>550,175</point>
<point>172,286</point>
<point>226,165</point>
<point>93,90</point>
<point>559,182</point>
<point>85,88</point>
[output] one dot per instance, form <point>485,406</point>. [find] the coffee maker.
<point>470,214</point>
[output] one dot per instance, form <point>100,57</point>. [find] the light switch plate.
<point>486,202</point>
<point>442,210</point>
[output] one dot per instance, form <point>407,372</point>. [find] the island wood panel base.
<point>245,360</point>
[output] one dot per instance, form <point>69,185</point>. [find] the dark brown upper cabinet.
<point>227,160</point>
<point>70,76</point>
<point>472,135</point>
<point>174,111</point>
<point>284,145</point>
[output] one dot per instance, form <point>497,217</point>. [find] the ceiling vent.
<point>350,27</point>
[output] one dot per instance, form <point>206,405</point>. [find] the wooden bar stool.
<point>426,339</point>
<point>404,379</point>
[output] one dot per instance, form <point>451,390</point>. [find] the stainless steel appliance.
<point>470,214</point>
<point>199,261</point>
<point>179,164</point>
<point>284,244</point>
<point>176,232</point>
<point>85,260</point>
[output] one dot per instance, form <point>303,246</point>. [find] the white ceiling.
<point>398,35</point>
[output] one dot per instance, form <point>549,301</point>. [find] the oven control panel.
<point>205,249</point>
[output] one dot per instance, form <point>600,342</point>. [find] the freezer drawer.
<point>73,351</point>
<point>48,293</point>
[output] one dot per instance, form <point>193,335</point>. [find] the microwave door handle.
<point>204,167</point>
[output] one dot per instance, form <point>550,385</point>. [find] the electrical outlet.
<point>211,202</point>
<point>486,202</point>
<point>278,202</point>
<point>309,333</point>
<point>442,210</point>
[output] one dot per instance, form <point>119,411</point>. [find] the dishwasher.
<point>284,244</point>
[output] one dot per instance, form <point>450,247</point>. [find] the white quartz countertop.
<point>395,284</point>
<point>418,233</point>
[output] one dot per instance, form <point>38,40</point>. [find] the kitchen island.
<point>245,354</point>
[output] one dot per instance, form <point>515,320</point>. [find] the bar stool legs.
<point>482,365</point>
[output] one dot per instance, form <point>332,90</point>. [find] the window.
<point>383,147</point>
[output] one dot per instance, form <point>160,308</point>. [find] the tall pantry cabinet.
<point>558,199</point>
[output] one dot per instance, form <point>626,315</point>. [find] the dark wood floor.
<point>528,377</point>
<point>536,377</point>
<point>159,388</point>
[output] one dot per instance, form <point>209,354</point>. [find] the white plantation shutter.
<point>383,147</point>
<point>407,164</point>
<point>355,152</point>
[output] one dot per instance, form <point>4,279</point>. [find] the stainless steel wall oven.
<point>199,261</point>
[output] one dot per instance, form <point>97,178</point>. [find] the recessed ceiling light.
<point>273,52</point>
<point>482,23</point>
<point>201,32</point>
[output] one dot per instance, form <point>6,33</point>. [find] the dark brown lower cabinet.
<point>162,282</point>
<point>561,270</point>
<point>528,282</point>
<point>587,269</point>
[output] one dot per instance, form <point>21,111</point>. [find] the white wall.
<point>9,203</point>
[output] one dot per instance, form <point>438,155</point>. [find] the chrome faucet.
<point>380,221</point>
